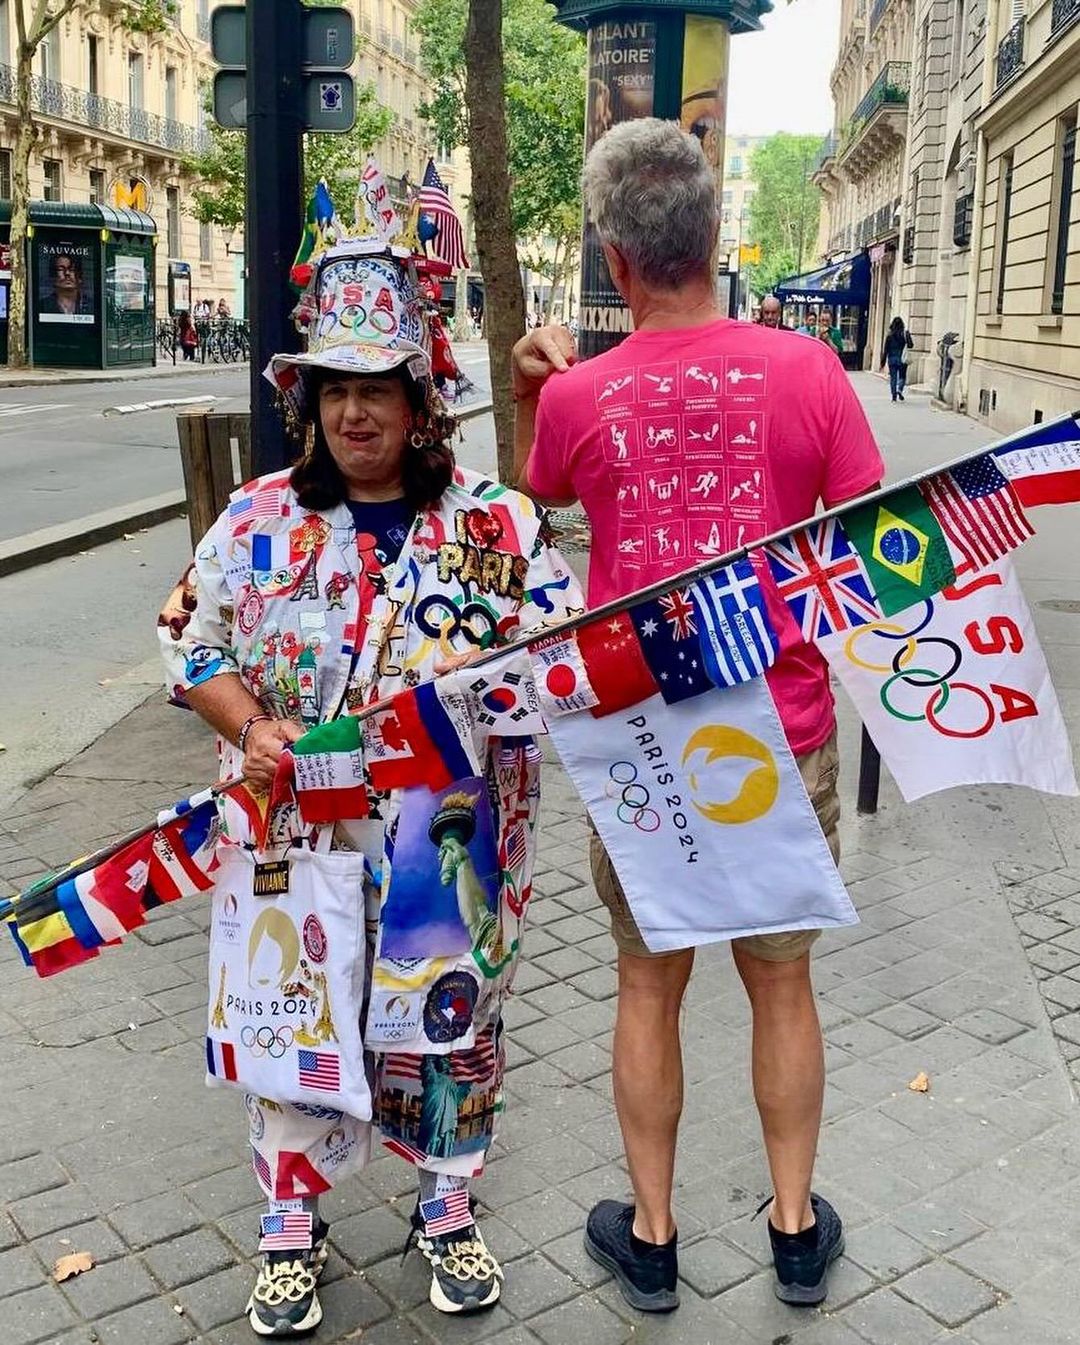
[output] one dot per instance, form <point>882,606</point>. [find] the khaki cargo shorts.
<point>819,770</point>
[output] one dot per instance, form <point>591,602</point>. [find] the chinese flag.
<point>617,670</point>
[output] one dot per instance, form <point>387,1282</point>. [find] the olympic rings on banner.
<point>941,689</point>
<point>877,628</point>
<point>632,808</point>
<point>935,679</point>
<point>931,714</point>
<point>904,634</point>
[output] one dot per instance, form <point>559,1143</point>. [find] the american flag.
<point>263,504</point>
<point>516,846</point>
<point>449,243</point>
<point>444,1214</point>
<point>320,1070</point>
<point>285,1232</point>
<point>404,1150</point>
<point>822,580</point>
<point>978,510</point>
<point>262,1171</point>
<point>475,1065</point>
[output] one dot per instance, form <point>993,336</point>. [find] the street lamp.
<point>668,59</point>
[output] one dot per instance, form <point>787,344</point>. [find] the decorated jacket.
<point>274,594</point>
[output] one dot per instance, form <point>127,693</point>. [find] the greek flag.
<point>737,639</point>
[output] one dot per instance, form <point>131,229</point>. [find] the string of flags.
<point>884,586</point>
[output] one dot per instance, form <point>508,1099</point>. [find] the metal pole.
<point>274,207</point>
<point>869,775</point>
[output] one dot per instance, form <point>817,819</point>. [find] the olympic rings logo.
<point>633,807</point>
<point>900,671</point>
<point>265,1041</point>
<point>476,622</point>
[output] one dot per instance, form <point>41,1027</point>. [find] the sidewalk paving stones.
<point>961,1205</point>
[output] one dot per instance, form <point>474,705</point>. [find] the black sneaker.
<point>465,1277</point>
<point>284,1301</point>
<point>802,1271</point>
<point>646,1274</point>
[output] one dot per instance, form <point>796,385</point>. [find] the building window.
<point>172,221</point>
<point>5,31</point>
<point>924,81</point>
<point>97,186</point>
<point>727,198</point>
<point>959,33</point>
<point>49,55</point>
<point>206,242</point>
<point>1005,181</point>
<point>53,182</point>
<point>736,165</point>
<point>1064,210</point>
<point>5,175</point>
<point>93,74</point>
<point>135,80</point>
<point>170,92</point>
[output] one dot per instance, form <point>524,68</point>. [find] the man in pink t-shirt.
<point>695,436</point>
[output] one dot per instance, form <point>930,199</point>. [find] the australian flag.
<point>737,639</point>
<point>667,632</point>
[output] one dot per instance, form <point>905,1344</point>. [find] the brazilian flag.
<point>902,547</point>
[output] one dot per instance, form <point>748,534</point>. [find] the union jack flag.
<point>678,611</point>
<point>822,580</point>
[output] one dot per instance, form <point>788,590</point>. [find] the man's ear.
<point>616,266</point>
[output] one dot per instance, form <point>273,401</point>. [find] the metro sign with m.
<point>132,193</point>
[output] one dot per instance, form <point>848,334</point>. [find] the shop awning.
<point>85,215</point>
<point>843,282</point>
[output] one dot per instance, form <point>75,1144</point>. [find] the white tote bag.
<point>286,978</point>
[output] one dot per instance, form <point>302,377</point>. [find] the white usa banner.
<point>956,691</point>
<point>705,817</point>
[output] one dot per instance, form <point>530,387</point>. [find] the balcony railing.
<point>1010,53</point>
<point>1062,13</point>
<point>890,89</point>
<point>104,114</point>
<point>962,216</point>
<point>826,152</point>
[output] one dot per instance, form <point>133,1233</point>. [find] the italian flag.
<point>328,772</point>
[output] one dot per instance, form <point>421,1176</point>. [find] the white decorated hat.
<point>362,318</point>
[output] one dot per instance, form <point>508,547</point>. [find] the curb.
<point>67,539</point>
<point>49,378</point>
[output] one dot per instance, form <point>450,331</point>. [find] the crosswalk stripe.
<point>15,409</point>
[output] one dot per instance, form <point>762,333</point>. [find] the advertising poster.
<point>66,281</point>
<point>622,73</point>
<point>129,282</point>
<point>704,85</point>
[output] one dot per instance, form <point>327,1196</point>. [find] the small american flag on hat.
<point>449,244</point>
<point>447,1212</point>
<point>285,1232</point>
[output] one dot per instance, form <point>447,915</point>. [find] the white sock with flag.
<point>444,1203</point>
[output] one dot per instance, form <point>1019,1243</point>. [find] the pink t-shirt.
<point>682,445</point>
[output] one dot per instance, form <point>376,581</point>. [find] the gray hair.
<point>652,195</point>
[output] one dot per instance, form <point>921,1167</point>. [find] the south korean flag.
<point>502,697</point>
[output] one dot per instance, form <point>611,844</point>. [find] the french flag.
<point>220,1059</point>
<point>1043,463</point>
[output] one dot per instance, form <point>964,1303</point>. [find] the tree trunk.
<point>20,211</point>
<point>496,245</point>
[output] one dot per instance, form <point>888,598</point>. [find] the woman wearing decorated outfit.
<point>358,574</point>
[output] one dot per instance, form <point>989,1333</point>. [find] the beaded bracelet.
<point>246,727</point>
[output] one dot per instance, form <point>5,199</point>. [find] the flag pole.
<point>615,607</point>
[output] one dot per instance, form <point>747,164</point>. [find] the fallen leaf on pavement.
<point>920,1083</point>
<point>72,1264</point>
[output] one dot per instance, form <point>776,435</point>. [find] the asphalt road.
<point>61,458</point>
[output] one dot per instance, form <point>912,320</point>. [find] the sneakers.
<point>802,1268</point>
<point>465,1277</point>
<point>646,1274</point>
<point>284,1301</point>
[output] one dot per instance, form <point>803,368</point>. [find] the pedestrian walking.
<point>788,407</point>
<point>188,336</point>
<point>315,593</point>
<point>894,354</point>
<point>772,312</point>
<point>831,335</point>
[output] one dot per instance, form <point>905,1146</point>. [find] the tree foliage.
<point>784,208</point>
<point>544,85</point>
<point>220,190</point>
